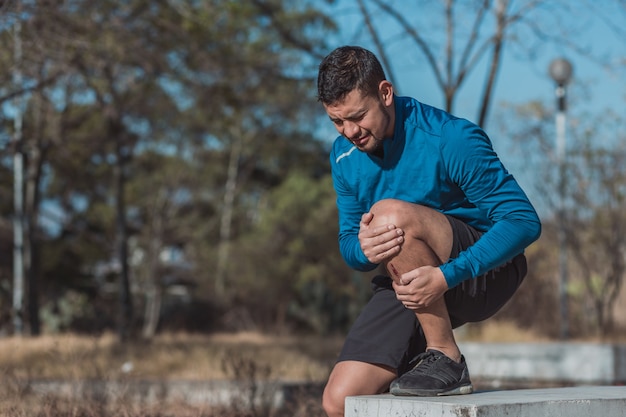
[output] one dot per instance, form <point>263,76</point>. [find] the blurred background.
<point>164,165</point>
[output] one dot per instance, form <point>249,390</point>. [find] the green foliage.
<point>594,192</point>
<point>134,110</point>
<point>290,268</point>
<point>59,315</point>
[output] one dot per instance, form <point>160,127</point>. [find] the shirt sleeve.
<point>350,212</point>
<point>473,165</point>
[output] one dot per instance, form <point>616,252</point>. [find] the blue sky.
<point>593,88</point>
<point>519,80</point>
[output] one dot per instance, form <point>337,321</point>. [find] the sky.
<point>592,89</point>
<point>519,80</point>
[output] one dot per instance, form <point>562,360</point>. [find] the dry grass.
<point>243,356</point>
<point>497,331</point>
<point>171,356</point>
<point>196,357</point>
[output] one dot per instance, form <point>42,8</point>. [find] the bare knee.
<point>388,211</point>
<point>407,216</point>
<point>350,378</point>
<point>333,402</point>
<point>421,225</point>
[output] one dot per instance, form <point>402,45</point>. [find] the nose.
<point>351,130</point>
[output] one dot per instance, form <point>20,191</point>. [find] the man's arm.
<point>355,236</point>
<point>474,166</point>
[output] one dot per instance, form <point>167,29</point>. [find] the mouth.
<point>360,141</point>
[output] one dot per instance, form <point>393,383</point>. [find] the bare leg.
<point>350,378</point>
<point>428,241</point>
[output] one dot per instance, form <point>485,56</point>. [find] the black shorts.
<point>387,333</point>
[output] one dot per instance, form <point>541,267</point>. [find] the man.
<point>423,194</point>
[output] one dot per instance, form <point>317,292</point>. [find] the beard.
<point>378,139</point>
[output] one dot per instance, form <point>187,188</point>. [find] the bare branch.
<point>377,41</point>
<point>413,33</point>
<point>288,34</point>
<point>496,57</point>
<point>32,88</point>
<point>449,48</point>
<point>471,41</point>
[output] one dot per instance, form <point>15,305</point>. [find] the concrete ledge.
<point>562,363</point>
<point>554,402</point>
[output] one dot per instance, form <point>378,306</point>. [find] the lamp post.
<point>561,72</point>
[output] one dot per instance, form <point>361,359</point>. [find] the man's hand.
<point>420,287</point>
<point>381,242</point>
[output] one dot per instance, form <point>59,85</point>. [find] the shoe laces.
<point>424,362</point>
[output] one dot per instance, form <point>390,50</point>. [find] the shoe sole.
<point>462,390</point>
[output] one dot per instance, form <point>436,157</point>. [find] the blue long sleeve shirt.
<point>443,162</point>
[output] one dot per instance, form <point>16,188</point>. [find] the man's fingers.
<point>366,218</point>
<point>382,234</point>
<point>389,252</point>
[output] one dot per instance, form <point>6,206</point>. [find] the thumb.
<point>407,278</point>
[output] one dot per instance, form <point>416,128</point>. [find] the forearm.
<point>500,244</point>
<point>353,255</point>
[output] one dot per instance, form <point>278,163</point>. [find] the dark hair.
<point>347,68</point>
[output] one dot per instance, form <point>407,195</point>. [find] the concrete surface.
<point>595,401</point>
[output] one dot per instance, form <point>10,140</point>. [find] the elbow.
<point>352,254</point>
<point>358,265</point>
<point>534,230</point>
<point>365,268</point>
<point>532,226</point>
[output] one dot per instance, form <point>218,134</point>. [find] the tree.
<point>212,90</point>
<point>159,194</point>
<point>455,38</point>
<point>116,68</point>
<point>252,66</point>
<point>292,261</point>
<point>596,218</point>
<point>595,178</point>
<point>27,68</point>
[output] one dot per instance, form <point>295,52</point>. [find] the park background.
<point>174,214</point>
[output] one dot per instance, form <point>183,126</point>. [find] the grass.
<point>196,356</point>
<point>497,332</point>
<point>170,356</point>
<point>189,357</point>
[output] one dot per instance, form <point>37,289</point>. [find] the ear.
<point>385,90</point>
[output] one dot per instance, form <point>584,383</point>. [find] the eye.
<point>357,118</point>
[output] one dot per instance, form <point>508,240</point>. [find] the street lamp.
<point>561,72</point>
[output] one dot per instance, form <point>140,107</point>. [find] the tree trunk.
<point>154,292</point>
<point>152,311</point>
<point>223,253</point>
<point>125,296</point>
<point>18,190</point>
<point>31,245</point>
<point>18,242</point>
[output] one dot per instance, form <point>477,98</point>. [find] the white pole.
<point>562,238</point>
<point>18,191</point>
<point>18,243</point>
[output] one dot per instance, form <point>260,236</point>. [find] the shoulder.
<point>341,149</point>
<point>459,133</point>
<point>415,115</point>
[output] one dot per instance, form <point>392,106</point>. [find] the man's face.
<point>364,121</point>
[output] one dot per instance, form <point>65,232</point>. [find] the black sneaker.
<point>434,374</point>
